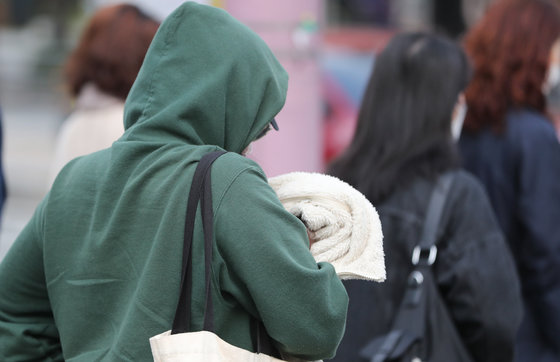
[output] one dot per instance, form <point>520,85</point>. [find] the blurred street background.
<point>327,46</point>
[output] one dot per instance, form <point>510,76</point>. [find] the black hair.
<point>403,129</point>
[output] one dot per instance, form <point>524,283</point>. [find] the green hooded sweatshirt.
<point>96,271</point>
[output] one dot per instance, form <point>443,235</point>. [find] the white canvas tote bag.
<point>203,346</point>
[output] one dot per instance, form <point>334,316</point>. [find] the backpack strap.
<point>426,250</point>
<point>411,315</point>
<point>410,320</point>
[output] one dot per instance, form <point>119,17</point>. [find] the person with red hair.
<point>99,74</point>
<point>510,144</point>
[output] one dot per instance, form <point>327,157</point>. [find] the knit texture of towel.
<point>346,225</point>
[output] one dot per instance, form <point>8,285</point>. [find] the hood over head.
<point>207,79</point>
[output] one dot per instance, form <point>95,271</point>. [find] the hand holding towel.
<point>345,224</point>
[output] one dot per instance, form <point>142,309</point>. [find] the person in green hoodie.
<point>96,271</point>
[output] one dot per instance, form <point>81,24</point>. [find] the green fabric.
<point>96,271</point>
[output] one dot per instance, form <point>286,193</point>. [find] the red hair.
<point>111,50</point>
<point>509,49</point>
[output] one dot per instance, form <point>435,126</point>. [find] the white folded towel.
<point>346,225</point>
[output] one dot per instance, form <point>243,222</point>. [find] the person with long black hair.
<point>410,117</point>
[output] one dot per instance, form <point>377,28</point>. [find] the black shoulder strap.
<point>201,190</point>
<point>181,323</point>
<point>435,209</point>
<point>409,323</point>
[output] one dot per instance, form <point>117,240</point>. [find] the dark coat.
<point>3,193</point>
<point>520,169</point>
<point>474,271</point>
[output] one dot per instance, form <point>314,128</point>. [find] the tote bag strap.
<point>181,323</point>
<point>201,190</point>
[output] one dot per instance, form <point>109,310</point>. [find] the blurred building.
<point>327,46</point>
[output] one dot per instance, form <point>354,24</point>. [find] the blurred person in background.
<point>510,144</point>
<point>99,74</point>
<point>408,121</point>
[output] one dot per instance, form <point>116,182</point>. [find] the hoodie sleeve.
<point>27,329</point>
<point>477,276</point>
<point>302,304</point>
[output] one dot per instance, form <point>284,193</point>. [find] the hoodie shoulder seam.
<point>230,184</point>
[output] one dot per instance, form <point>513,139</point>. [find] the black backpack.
<point>422,329</point>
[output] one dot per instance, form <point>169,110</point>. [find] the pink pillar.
<point>290,29</point>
